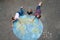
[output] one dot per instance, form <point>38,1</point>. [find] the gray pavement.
<point>50,17</point>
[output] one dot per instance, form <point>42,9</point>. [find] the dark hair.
<point>38,17</point>
<point>29,13</point>
<point>12,18</point>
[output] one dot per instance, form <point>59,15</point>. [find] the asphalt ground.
<point>50,17</point>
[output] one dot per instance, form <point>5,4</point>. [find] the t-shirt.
<point>16,16</point>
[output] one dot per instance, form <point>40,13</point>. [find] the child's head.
<point>37,15</point>
<point>29,11</point>
<point>12,18</point>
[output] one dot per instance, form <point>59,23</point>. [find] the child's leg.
<point>21,11</point>
<point>38,7</point>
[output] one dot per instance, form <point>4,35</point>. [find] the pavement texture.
<point>50,17</point>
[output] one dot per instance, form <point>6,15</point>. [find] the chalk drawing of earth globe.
<point>24,29</point>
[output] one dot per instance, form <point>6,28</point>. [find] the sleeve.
<point>16,16</point>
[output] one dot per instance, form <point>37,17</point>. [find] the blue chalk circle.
<point>27,30</point>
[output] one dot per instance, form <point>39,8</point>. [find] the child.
<point>38,11</point>
<point>17,15</point>
<point>29,12</point>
